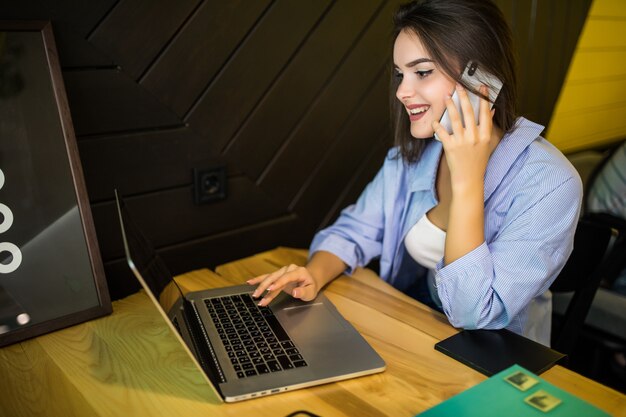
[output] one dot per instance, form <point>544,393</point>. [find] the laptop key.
<point>262,369</point>
<point>240,374</point>
<point>299,364</point>
<point>250,372</point>
<point>295,357</point>
<point>292,351</point>
<point>274,366</point>
<point>257,361</point>
<point>247,366</point>
<point>285,362</point>
<point>268,356</point>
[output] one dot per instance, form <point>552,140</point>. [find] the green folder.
<point>525,395</point>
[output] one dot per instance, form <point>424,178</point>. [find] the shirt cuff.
<point>473,260</point>
<point>341,248</point>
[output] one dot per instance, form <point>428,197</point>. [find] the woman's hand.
<point>469,147</point>
<point>295,280</point>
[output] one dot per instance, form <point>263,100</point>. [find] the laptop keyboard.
<point>254,339</point>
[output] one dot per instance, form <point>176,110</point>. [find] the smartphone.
<point>475,77</point>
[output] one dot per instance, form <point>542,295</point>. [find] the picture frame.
<point>51,272</point>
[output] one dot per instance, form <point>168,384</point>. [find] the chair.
<point>582,274</point>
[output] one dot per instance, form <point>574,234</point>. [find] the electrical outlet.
<point>209,185</point>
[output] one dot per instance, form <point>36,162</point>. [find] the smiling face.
<point>423,86</point>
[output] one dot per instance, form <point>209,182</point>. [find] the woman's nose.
<point>405,90</point>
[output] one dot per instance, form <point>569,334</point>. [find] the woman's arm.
<point>352,241</point>
<point>467,153</point>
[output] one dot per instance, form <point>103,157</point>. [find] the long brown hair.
<point>453,33</point>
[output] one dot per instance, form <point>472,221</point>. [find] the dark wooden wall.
<point>290,95</point>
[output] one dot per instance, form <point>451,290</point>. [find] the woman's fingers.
<point>455,118</point>
<point>466,106</point>
<point>441,133</point>
<point>294,280</point>
<point>305,292</point>
<point>256,280</point>
<point>268,281</point>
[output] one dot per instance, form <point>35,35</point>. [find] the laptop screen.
<point>145,259</point>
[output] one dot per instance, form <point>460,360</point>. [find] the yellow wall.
<point>591,109</point>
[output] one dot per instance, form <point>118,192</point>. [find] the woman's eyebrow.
<point>418,61</point>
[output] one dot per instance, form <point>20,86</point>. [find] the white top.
<point>425,242</point>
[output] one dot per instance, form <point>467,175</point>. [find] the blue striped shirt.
<point>532,202</point>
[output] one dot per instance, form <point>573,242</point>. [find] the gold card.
<point>542,401</point>
<point>521,380</point>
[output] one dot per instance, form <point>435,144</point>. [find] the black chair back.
<point>582,274</point>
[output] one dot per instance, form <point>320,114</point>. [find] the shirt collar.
<point>508,151</point>
<point>422,175</point>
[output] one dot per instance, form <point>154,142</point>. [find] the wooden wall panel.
<point>290,95</point>
<point>143,161</point>
<point>169,217</point>
<point>106,101</point>
<point>545,35</point>
<point>294,95</point>
<point>239,87</point>
<point>73,22</point>
<point>361,177</point>
<point>145,25</point>
<point>338,101</point>
<point>345,155</point>
<point>195,56</point>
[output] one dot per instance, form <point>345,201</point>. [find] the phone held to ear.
<point>474,77</point>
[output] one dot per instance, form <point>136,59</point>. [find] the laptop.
<point>244,350</point>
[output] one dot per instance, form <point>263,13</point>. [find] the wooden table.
<point>129,364</point>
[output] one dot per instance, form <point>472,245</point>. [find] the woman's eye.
<point>423,74</point>
<point>398,75</point>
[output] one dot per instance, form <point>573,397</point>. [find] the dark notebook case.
<point>491,351</point>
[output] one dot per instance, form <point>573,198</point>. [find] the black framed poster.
<point>51,273</point>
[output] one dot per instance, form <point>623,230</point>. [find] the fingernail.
<point>261,303</point>
<point>270,288</point>
<point>255,294</point>
<point>294,293</point>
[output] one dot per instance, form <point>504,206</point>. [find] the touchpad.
<point>309,320</point>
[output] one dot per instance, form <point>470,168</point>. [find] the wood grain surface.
<point>130,364</point>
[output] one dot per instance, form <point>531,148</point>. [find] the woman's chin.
<point>423,135</point>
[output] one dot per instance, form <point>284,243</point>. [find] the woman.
<point>476,224</point>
